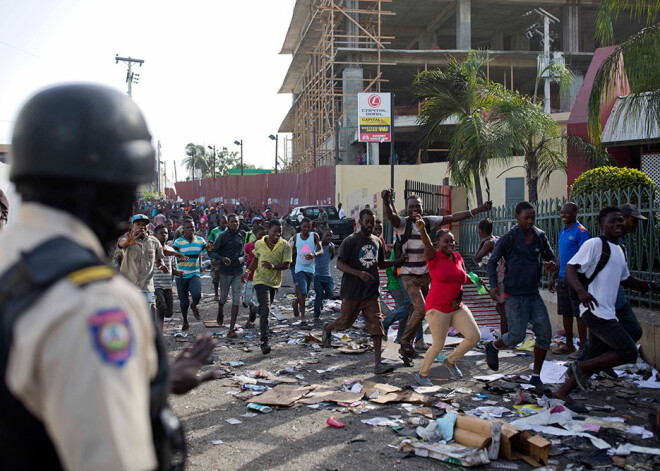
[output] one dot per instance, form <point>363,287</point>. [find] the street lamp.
<point>213,149</point>
<point>240,143</point>
<point>274,138</point>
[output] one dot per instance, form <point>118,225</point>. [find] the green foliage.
<point>199,157</point>
<point>149,195</point>
<point>603,179</point>
<point>462,94</point>
<point>635,60</point>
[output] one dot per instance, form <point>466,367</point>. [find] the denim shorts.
<point>232,282</point>
<point>304,280</point>
<point>521,310</point>
<point>568,304</point>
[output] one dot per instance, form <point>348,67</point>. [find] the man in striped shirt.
<point>189,284</point>
<point>163,281</point>
<point>415,272</point>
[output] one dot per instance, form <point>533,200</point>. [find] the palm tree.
<point>197,159</point>
<point>462,94</point>
<point>528,130</point>
<point>637,58</point>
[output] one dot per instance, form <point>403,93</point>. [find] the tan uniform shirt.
<point>82,357</point>
<point>139,262</point>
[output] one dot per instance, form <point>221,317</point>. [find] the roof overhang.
<point>629,123</point>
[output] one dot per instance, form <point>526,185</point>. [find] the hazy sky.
<point>210,76</point>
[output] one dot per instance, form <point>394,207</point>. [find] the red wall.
<point>577,122</point>
<point>282,191</point>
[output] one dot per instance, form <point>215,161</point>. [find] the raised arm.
<point>463,215</point>
<point>390,210</point>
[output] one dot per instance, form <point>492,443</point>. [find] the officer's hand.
<point>183,372</point>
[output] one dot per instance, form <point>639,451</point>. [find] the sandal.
<point>563,350</point>
<point>581,380</point>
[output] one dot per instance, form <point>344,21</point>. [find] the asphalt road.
<point>298,438</point>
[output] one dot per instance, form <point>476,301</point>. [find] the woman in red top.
<point>444,308</point>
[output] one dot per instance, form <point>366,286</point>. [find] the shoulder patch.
<point>112,336</point>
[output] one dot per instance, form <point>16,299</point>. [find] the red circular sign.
<point>374,101</point>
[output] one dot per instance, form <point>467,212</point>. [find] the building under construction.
<point>342,47</point>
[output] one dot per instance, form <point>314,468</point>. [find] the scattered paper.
<point>217,442</point>
<point>625,450</point>
<point>233,421</point>
<point>552,372</point>
<point>638,430</point>
<point>489,378</point>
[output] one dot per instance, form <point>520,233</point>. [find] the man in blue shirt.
<point>523,247</point>
<point>571,238</point>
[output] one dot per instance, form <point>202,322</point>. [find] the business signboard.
<point>374,117</point>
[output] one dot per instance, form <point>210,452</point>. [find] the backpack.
<point>510,247</point>
<point>401,240</point>
<point>605,254</point>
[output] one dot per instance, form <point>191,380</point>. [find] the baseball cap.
<point>257,218</point>
<point>139,217</point>
<point>631,210</point>
<point>240,216</point>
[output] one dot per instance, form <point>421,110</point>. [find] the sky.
<point>211,72</point>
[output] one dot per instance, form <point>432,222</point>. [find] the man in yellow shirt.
<point>272,255</point>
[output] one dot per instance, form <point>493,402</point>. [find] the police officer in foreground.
<point>83,373</point>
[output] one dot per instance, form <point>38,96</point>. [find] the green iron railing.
<point>643,245</point>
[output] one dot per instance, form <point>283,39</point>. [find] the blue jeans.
<point>185,286</point>
<point>521,310</point>
<point>324,287</point>
<point>304,280</point>
<point>401,314</point>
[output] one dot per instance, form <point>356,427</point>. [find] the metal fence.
<point>434,197</point>
<point>643,248</point>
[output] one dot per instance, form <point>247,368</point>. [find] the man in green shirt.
<point>272,255</point>
<point>215,264</point>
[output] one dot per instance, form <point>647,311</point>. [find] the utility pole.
<point>176,179</point>
<point>213,149</point>
<point>240,143</point>
<point>547,18</point>
<point>275,138</point>
<point>158,173</point>
<point>131,77</point>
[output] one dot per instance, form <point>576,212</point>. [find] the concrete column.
<point>567,99</point>
<point>350,121</point>
<point>571,29</point>
<point>428,40</point>
<point>373,149</point>
<point>463,25</point>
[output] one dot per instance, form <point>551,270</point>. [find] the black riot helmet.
<point>83,149</point>
<point>83,132</point>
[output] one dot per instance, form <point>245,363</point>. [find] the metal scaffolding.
<point>347,27</point>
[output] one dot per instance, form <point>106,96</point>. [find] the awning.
<point>630,123</point>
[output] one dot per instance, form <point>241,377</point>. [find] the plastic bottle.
<point>481,289</point>
<point>254,387</point>
<point>260,408</point>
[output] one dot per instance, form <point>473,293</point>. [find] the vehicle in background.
<point>341,228</point>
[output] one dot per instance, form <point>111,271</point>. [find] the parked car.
<point>341,228</point>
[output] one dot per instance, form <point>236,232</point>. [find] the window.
<point>515,191</point>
